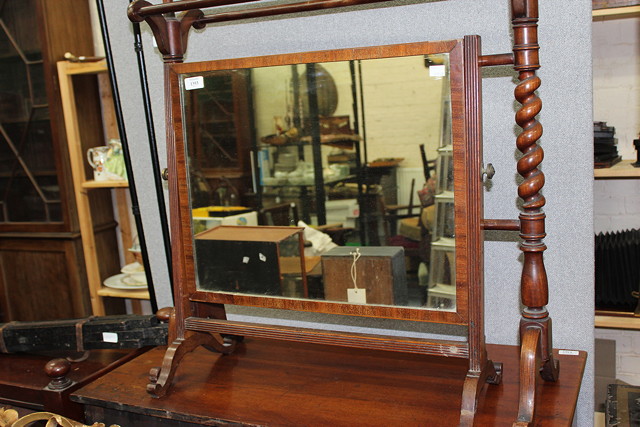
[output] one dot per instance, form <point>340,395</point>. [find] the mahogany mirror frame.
<point>467,157</point>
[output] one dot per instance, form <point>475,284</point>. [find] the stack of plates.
<point>132,277</point>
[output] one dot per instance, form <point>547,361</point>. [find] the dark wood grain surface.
<point>23,382</point>
<point>278,383</point>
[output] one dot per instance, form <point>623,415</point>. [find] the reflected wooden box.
<point>380,270</point>
<point>249,259</point>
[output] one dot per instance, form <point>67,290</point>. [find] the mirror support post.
<point>481,369</point>
<point>534,285</point>
<point>171,34</point>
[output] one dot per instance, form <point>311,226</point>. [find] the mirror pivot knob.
<point>165,174</point>
<point>489,171</point>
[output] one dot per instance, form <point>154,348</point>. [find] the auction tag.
<point>357,295</point>
<point>110,337</point>
<point>437,71</point>
<point>191,83</point>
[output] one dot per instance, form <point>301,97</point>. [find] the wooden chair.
<point>392,212</point>
<point>283,214</point>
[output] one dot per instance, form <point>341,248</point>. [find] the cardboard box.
<point>605,370</point>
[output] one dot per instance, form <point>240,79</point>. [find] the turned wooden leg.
<point>162,377</point>
<point>473,383</point>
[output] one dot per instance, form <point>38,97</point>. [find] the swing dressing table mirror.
<point>229,272</point>
<point>199,315</point>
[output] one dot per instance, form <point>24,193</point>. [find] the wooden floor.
<point>290,384</point>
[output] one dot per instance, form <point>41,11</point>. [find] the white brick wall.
<point>616,67</point>
<point>616,205</point>
<point>627,353</point>
<point>616,93</point>
<point>403,106</point>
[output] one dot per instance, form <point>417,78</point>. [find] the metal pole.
<point>359,171</point>
<point>125,149</point>
<point>314,116</point>
<point>153,148</point>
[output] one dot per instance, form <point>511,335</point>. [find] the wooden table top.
<point>23,381</point>
<point>277,383</point>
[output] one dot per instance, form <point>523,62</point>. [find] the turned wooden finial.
<point>164,314</point>
<point>57,370</point>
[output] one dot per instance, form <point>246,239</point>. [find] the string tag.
<point>356,295</point>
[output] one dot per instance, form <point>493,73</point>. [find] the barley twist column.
<point>534,285</point>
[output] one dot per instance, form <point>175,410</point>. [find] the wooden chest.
<point>379,269</point>
<point>248,259</point>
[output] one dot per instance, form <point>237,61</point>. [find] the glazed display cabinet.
<point>42,274</point>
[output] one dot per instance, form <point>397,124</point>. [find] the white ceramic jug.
<point>97,157</point>
<point>107,162</point>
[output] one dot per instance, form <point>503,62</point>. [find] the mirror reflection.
<point>330,181</point>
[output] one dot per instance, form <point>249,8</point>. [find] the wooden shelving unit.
<point>105,184</point>
<point>621,170</point>
<point>617,320</point>
<point>119,293</point>
<point>67,71</point>
<point>616,12</point>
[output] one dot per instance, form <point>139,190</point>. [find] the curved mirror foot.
<point>550,370</point>
<point>473,383</point>
<point>162,377</point>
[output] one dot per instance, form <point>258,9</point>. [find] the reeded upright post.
<point>171,34</point>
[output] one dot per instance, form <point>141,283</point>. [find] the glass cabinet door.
<point>29,186</point>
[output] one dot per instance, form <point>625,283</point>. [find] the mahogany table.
<point>24,384</point>
<point>280,383</point>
